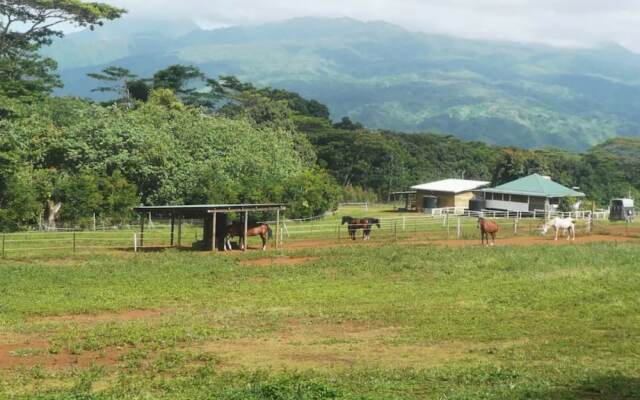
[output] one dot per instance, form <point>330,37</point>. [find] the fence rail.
<point>448,224</point>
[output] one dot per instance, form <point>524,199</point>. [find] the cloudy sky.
<point>557,22</point>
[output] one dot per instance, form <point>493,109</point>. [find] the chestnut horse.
<point>237,229</point>
<point>360,223</point>
<point>488,228</point>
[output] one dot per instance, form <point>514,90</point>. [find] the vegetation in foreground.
<point>433,322</point>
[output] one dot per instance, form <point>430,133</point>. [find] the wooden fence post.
<point>447,218</point>
<point>74,241</point>
<point>459,231</point>
<point>395,230</point>
<point>135,243</point>
<point>3,250</point>
<point>277,228</point>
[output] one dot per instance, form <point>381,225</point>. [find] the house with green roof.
<point>533,192</point>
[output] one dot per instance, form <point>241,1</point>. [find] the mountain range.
<point>387,77</point>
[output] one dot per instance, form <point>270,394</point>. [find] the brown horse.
<point>488,228</point>
<point>360,223</point>
<point>237,229</point>
<point>354,224</point>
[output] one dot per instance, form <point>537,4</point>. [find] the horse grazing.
<point>566,224</point>
<point>488,228</point>
<point>366,232</point>
<point>237,229</point>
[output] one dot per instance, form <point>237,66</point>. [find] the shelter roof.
<point>451,186</point>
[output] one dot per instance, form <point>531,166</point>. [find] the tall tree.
<point>188,83</point>
<point>29,24</point>
<point>115,81</point>
<point>25,26</point>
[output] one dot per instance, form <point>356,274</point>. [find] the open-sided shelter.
<point>446,193</point>
<point>214,218</point>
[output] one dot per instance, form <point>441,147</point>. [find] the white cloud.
<point>559,22</point>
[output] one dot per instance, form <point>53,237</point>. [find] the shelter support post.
<point>173,225</point>
<point>214,217</point>
<point>246,227</point>
<point>180,231</point>
<point>142,231</point>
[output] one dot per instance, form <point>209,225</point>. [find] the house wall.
<point>462,199</point>
<point>535,203</point>
<point>507,205</point>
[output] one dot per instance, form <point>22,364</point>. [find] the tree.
<point>30,24</point>
<point>183,80</point>
<point>116,80</point>
<point>348,125</point>
<point>25,26</point>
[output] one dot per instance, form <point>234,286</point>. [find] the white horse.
<point>566,224</point>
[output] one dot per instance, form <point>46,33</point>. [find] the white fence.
<point>448,224</point>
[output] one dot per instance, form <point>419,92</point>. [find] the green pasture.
<point>389,322</point>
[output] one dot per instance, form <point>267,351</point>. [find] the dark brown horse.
<point>360,223</point>
<point>487,228</point>
<point>237,229</point>
<point>366,232</point>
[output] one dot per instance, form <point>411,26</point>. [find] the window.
<point>519,199</point>
<point>488,196</point>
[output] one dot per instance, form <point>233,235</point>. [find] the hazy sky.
<point>558,22</point>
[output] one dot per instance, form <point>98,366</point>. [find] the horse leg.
<point>556,233</point>
<point>264,241</point>
<point>493,238</point>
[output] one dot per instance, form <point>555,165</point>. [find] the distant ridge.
<point>389,78</point>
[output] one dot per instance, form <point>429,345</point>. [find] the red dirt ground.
<point>25,351</point>
<point>103,317</point>
<point>513,241</point>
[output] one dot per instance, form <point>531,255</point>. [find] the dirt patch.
<point>263,262</point>
<point>511,241</point>
<point>25,351</point>
<point>104,317</point>
<point>540,240</point>
<point>312,344</point>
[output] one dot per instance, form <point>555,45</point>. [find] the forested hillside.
<point>181,136</point>
<point>389,78</point>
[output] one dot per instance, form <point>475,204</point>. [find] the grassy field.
<point>395,321</point>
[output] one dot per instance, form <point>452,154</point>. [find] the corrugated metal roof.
<point>451,186</point>
<point>535,185</point>
<point>199,209</point>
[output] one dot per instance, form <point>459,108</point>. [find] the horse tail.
<point>269,232</point>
